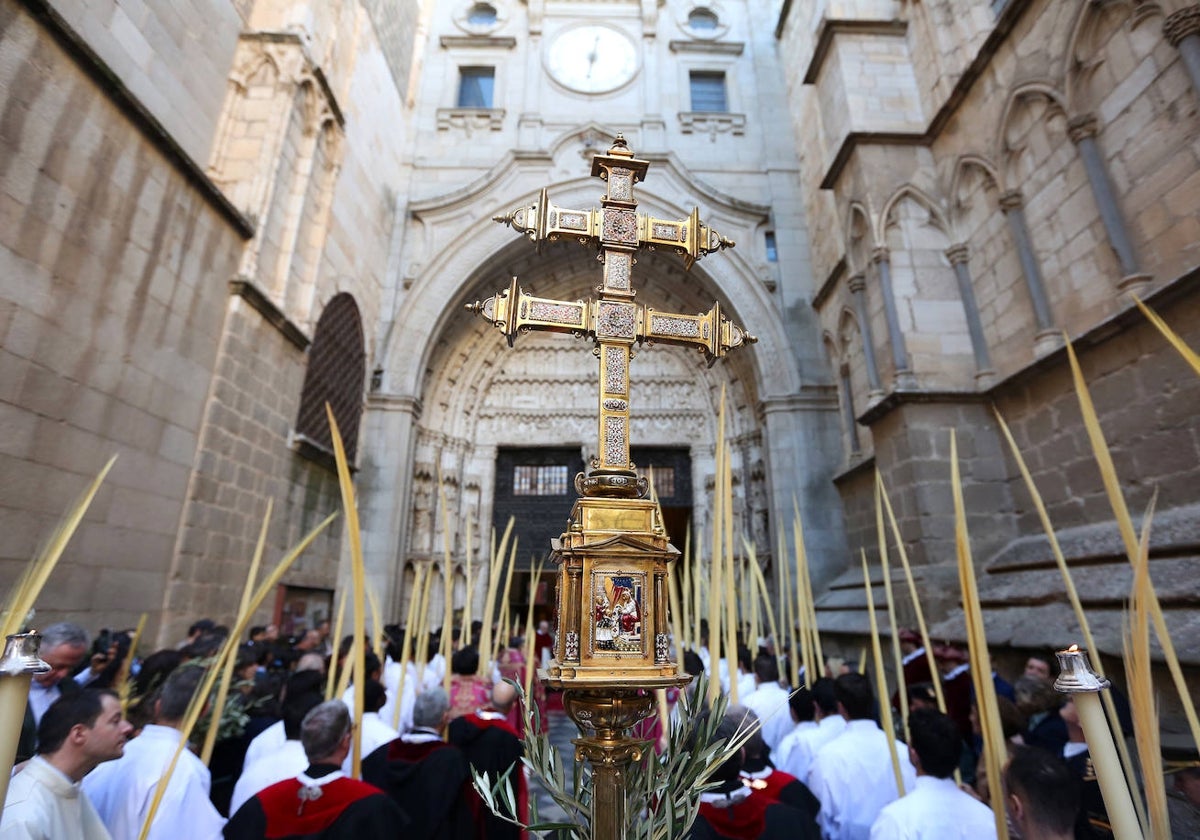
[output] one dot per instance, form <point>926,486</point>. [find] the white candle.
<point>1084,686</point>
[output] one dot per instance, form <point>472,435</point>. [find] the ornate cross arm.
<point>514,310</point>
<point>687,237</point>
<point>711,333</point>
<point>545,222</point>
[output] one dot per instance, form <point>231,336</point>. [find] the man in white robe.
<point>44,800</point>
<point>374,731</point>
<point>302,693</point>
<point>801,711</point>
<point>852,775</point>
<point>805,744</point>
<point>769,701</point>
<point>934,808</point>
<point>122,793</point>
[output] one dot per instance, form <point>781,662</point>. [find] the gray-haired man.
<point>428,778</point>
<point>64,645</point>
<point>321,801</point>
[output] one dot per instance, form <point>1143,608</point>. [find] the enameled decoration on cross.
<point>613,321</point>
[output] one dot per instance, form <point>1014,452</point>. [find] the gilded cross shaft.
<point>613,321</point>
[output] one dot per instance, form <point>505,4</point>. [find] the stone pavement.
<point>562,730</point>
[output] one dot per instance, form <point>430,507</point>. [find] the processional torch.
<point>18,665</point>
<point>612,648</point>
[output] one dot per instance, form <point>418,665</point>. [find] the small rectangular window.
<point>664,482</point>
<point>708,91</point>
<point>476,86</point>
<point>772,253</point>
<point>540,480</point>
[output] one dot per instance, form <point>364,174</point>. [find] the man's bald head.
<point>503,696</point>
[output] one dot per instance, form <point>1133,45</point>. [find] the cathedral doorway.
<point>536,488</point>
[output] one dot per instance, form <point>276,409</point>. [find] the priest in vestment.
<point>76,733</point>
<point>492,747</point>
<point>734,811</point>
<point>122,790</point>
<point>321,802</point>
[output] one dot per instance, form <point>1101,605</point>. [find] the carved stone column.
<point>958,255</point>
<point>858,290</point>
<point>848,417</point>
<point>1082,131</point>
<point>904,374</point>
<point>1182,31</point>
<point>1047,338</point>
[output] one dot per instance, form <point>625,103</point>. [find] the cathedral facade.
<point>222,214</point>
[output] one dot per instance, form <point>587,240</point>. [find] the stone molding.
<point>403,403</point>
<point>1081,127</point>
<point>1143,10</point>
<point>813,398</point>
<point>721,122</point>
<point>831,27</point>
<point>830,284</point>
<point>958,254</point>
<point>707,47</point>
<point>1012,200</point>
<point>245,288</point>
<point>857,283</point>
<point>459,42</point>
<point>901,397</point>
<point>1181,24</point>
<point>880,253</point>
<point>470,119</point>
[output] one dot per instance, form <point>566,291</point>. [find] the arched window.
<point>482,14</point>
<point>703,20</point>
<point>337,364</point>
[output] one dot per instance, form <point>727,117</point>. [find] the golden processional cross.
<point>613,320</point>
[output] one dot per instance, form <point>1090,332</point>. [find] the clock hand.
<point>592,56</point>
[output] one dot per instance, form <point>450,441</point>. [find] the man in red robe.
<point>321,802</point>
<point>733,811</point>
<point>428,778</point>
<point>493,748</point>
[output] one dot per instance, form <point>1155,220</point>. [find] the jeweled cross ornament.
<point>613,320</point>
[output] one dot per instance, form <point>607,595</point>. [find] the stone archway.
<point>451,392</point>
<point>479,395</point>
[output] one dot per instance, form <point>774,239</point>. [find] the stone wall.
<point>114,289</point>
<point>145,45</point>
<point>1052,159</point>
<point>133,320</point>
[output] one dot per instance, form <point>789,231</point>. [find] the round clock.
<point>592,58</point>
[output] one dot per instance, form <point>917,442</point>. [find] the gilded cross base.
<point>607,715</point>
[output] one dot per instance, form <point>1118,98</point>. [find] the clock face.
<point>592,58</point>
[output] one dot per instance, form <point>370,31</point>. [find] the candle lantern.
<point>18,664</point>
<point>613,645</point>
<point>1077,679</point>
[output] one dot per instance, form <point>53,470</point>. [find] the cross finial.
<point>620,148</point>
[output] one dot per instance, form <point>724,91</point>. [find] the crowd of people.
<point>100,731</point>
<point>827,739</point>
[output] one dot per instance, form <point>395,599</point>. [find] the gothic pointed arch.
<point>911,192</point>
<point>859,238</point>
